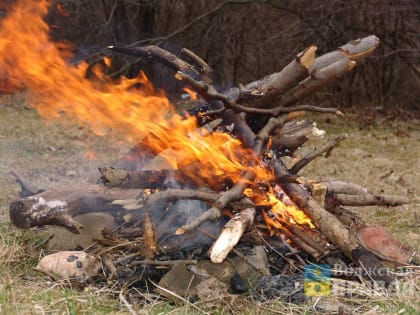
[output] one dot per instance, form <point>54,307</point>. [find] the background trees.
<point>244,40</point>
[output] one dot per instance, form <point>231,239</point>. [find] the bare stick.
<point>127,304</point>
<point>282,110</point>
<point>271,87</point>
<point>172,295</point>
<point>161,55</point>
<point>239,254</point>
<point>206,69</point>
<point>286,87</point>
<point>354,50</point>
<point>231,234</point>
<point>211,214</point>
<point>317,152</point>
<point>225,198</point>
<point>370,200</point>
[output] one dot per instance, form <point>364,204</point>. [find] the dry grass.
<point>384,159</point>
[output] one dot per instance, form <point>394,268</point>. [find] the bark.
<point>355,50</point>
<point>317,80</point>
<point>156,53</point>
<point>341,187</point>
<point>144,179</point>
<point>274,85</point>
<point>370,200</point>
<point>58,207</point>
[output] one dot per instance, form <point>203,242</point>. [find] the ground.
<point>380,154</point>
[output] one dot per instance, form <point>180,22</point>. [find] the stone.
<point>92,223</point>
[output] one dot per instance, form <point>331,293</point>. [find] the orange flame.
<point>30,59</point>
<point>281,212</point>
<point>191,93</point>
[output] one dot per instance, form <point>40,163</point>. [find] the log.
<point>287,139</point>
<point>283,85</point>
<point>370,200</point>
<point>143,179</point>
<point>341,187</point>
<point>355,50</point>
<point>58,207</point>
<point>317,80</point>
<point>272,86</point>
<point>231,234</point>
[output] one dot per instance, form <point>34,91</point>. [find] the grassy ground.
<point>382,157</point>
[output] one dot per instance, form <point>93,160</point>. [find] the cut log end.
<point>231,234</point>
<point>307,57</point>
<point>31,212</point>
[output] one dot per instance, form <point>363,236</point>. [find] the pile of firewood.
<point>263,115</point>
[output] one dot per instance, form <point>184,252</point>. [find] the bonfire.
<point>227,184</point>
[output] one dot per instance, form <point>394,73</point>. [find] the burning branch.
<point>237,190</point>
